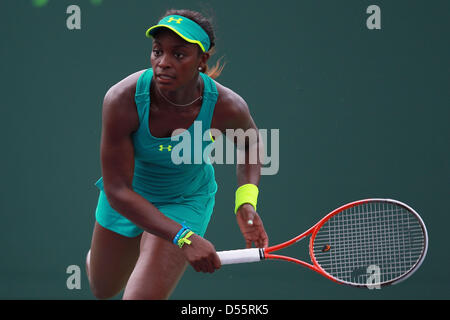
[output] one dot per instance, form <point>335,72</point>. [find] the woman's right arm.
<point>119,121</point>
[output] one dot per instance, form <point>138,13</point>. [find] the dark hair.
<point>207,25</point>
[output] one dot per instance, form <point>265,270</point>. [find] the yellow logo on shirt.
<point>168,148</point>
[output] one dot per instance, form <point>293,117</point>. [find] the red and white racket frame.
<point>258,254</point>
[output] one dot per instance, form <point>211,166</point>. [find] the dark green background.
<point>361,113</point>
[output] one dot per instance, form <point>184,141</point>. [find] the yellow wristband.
<point>247,193</point>
<point>184,239</point>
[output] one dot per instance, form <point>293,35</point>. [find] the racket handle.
<point>241,255</point>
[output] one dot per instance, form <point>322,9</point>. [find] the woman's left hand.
<point>251,227</point>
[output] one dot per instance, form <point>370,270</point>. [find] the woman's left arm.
<point>248,169</point>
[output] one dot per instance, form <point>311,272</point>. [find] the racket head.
<point>369,243</point>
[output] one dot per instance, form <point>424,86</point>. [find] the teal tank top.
<point>156,176</point>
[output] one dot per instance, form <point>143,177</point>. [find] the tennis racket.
<point>367,243</point>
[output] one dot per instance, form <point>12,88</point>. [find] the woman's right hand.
<point>201,255</point>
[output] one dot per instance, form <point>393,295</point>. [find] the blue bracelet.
<point>177,237</point>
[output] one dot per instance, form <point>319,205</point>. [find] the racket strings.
<point>370,243</point>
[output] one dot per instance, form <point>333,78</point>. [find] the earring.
<point>200,69</point>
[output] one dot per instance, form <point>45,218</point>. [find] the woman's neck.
<point>182,97</point>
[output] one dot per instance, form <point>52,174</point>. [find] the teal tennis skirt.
<point>194,212</point>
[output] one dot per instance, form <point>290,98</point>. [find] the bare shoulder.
<point>230,100</point>
<point>231,110</point>
<point>119,104</point>
<point>124,90</point>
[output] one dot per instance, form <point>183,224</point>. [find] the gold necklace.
<point>176,104</point>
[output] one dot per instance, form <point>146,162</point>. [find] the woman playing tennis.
<point>152,214</point>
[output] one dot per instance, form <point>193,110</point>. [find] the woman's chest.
<point>163,122</point>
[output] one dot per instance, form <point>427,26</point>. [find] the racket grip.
<point>241,255</point>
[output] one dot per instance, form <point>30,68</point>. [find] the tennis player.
<point>152,214</point>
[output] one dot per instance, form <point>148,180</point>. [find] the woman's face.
<point>174,61</point>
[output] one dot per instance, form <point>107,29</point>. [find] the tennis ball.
<point>39,3</point>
